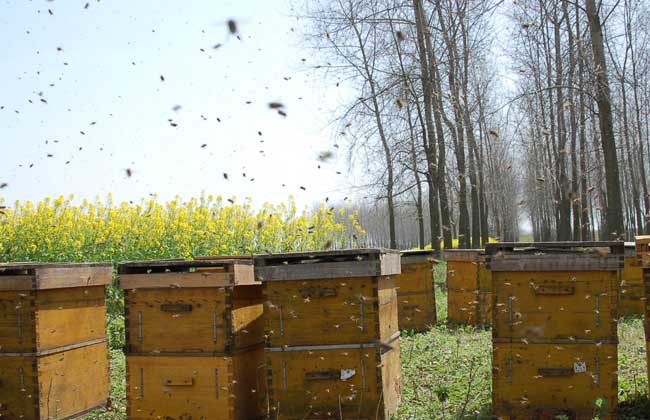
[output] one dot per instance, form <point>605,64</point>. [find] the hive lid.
<point>473,255</point>
<point>414,256</point>
<point>555,256</point>
<point>202,272</point>
<point>364,262</point>
<point>40,276</point>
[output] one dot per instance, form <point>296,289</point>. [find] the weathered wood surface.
<point>45,319</point>
<point>530,380</point>
<point>322,384</point>
<point>327,264</point>
<point>32,276</point>
<point>556,305</point>
<point>419,256</point>
<point>416,296</point>
<point>196,387</point>
<point>631,297</point>
<point>613,247</point>
<point>469,291</point>
<point>61,385</point>
<point>193,320</point>
<point>643,250</point>
<point>554,262</point>
<point>185,273</point>
<point>473,255</point>
<point>329,311</point>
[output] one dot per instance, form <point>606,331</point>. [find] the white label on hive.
<point>580,367</point>
<point>347,374</point>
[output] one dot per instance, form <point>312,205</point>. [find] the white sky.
<point>131,105</point>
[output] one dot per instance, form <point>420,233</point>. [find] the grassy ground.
<point>447,372</point>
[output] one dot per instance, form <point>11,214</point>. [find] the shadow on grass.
<point>635,409</point>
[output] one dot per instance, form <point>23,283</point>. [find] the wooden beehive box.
<point>544,381</point>
<point>230,387</point>
<point>554,327</point>
<point>194,333</point>
<point>332,333</point>
<point>180,306</point>
<point>415,290</point>
<point>53,345</point>
<point>631,301</point>
<point>469,287</point>
<point>643,259</point>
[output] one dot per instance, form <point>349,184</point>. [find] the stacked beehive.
<point>332,337</point>
<point>631,300</point>
<point>469,287</point>
<point>53,346</point>
<point>415,290</point>
<point>554,328</point>
<point>194,338</point>
<point>643,256</point>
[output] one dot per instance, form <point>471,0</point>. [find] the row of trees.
<point>453,149</point>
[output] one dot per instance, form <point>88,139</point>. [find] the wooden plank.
<point>68,316</point>
<point>323,311</point>
<point>390,265</point>
<point>18,388</point>
<point>327,384</point>
<point>49,277</point>
<point>388,319</point>
<point>329,270</point>
<point>614,247</point>
<point>16,266</point>
<point>176,280</point>
<point>73,381</point>
<point>463,254</point>
<point>17,321</point>
<point>554,262</point>
<point>529,306</point>
<point>56,350</point>
<point>206,328</point>
<point>178,263</point>
<point>179,387</point>
<point>263,259</point>
<point>419,256</point>
<point>16,283</point>
<point>532,381</point>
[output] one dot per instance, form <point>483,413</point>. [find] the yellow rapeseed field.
<point>102,230</point>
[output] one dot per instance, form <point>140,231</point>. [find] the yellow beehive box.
<point>53,344</point>
<point>179,306</point>
<point>194,339</point>
<point>554,328</point>
<point>229,387</point>
<point>332,330</point>
<point>544,381</point>
<point>415,290</point>
<point>469,287</point>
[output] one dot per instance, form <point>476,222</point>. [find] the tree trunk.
<point>614,211</point>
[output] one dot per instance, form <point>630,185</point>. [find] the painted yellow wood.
<point>631,300</point>
<point>68,316</point>
<point>416,296</point>
<point>542,381</point>
<point>196,387</point>
<point>469,288</point>
<point>333,384</point>
<point>54,386</point>
<point>193,320</point>
<point>556,305</point>
<point>322,311</point>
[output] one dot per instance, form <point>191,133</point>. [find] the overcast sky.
<point>84,85</point>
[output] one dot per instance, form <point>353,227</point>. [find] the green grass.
<point>447,371</point>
